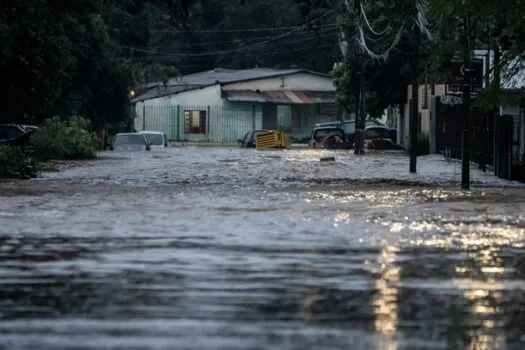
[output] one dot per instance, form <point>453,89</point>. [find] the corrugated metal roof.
<point>223,76</point>
<point>159,91</point>
<point>285,97</point>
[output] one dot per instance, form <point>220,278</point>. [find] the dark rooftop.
<point>212,77</point>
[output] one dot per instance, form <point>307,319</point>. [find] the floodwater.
<point>223,248</point>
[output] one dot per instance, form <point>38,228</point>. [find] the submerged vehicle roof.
<point>328,128</point>
<point>150,132</point>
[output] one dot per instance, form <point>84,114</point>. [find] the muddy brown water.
<point>204,248</point>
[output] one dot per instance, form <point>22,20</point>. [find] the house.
<point>497,137</point>
<point>429,94</point>
<point>426,94</point>
<point>221,105</point>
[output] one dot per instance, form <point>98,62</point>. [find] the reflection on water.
<point>386,299</point>
<point>486,301</point>
<point>184,249</point>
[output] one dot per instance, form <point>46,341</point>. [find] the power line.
<point>221,52</point>
<point>238,40</point>
<point>232,51</point>
<point>237,50</point>
<point>245,30</point>
<point>305,48</point>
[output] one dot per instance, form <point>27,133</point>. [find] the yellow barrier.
<point>274,139</point>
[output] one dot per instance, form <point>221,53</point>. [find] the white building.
<point>221,105</point>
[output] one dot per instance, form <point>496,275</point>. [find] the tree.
<point>57,58</point>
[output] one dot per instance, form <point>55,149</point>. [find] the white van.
<point>156,139</point>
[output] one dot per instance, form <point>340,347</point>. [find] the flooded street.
<point>223,248</point>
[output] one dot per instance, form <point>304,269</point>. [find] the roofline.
<point>278,74</point>
<point>138,99</point>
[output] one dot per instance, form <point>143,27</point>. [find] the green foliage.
<point>14,162</point>
<point>64,139</point>
<point>345,82</point>
<point>57,58</point>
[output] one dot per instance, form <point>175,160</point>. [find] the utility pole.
<point>414,110</point>
<point>357,96</point>
<point>362,110</point>
<point>359,127</point>
<point>465,147</point>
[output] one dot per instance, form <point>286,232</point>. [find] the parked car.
<point>329,137</point>
<point>349,127</point>
<point>248,141</point>
<point>132,141</point>
<point>332,124</point>
<point>156,139</point>
<point>16,133</point>
<point>378,137</point>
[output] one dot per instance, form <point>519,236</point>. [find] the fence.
<point>218,124</point>
<point>495,141</point>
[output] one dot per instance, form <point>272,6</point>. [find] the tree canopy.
<point>84,56</point>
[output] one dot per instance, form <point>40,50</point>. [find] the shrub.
<point>15,162</point>
<point>422,146</point>
<point>64,139</point>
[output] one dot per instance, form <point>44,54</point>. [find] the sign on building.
<point>456,81</point>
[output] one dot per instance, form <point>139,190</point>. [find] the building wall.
<point>208,96</point>
<point>226,121</point>
<point>426,92</point>
<point>221,124</point>
<point>300,81</point>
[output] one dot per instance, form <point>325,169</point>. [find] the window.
<point>195,122</point>
<point>155,139</point>
<point>376,133</point>
<point>9,132</point>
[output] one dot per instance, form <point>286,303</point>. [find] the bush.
<point>422,146</point>
<point>64,139</point>
<point>15,162</point>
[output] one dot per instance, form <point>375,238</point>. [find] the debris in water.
<point>328,159</point>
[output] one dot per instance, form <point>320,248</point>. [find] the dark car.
<point>16,133</point>
<point>329,137</point>
<point>349,127</point>
<point>248,141</point>
<point>378,137</point>
<point>130,142</point>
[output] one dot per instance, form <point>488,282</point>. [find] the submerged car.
<point>130,142</point>
<point>248,141</point>
<point>349,127</point>
<point>329,137</point>
<point>156,139</point>
<point>378,137</point>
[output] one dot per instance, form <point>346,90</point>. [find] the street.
<point>225,248</point>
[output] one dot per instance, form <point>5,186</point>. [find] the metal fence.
<point>496,141</point>
<point>218,124</point>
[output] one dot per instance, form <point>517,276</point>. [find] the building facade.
<point>223,105</point>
